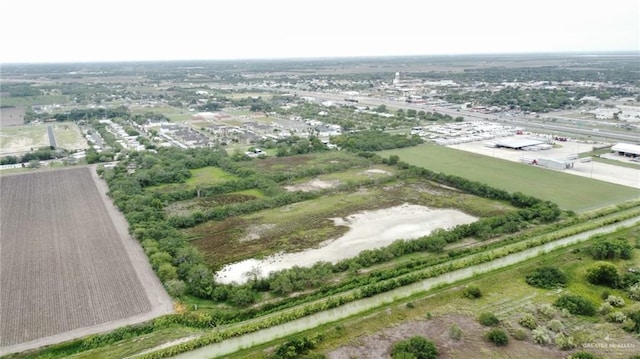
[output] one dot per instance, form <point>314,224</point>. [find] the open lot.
<point>16,140</point>
<point>68,267</point>
<point>568,191</point>
<point>21,139</point>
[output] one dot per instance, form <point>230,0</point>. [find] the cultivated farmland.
<point>66,261</point>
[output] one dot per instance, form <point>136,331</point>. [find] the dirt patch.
<point>471,345</point>
<point>313,185</point>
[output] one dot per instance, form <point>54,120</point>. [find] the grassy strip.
<point>568,191</point>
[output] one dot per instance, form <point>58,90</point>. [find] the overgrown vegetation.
<point>547,278</point>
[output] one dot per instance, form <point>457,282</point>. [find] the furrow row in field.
<point>63,264</point>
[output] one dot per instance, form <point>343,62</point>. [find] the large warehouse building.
<point>526,144</point>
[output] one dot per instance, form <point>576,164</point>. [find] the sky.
<point>142,30</point>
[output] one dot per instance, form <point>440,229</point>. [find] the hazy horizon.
<point>38,31</point>
<point>348,58</point>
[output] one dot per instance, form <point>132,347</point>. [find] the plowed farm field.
<point>65,264</point>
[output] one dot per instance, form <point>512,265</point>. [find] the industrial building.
<point>626,149</point>
<point>525,144</point>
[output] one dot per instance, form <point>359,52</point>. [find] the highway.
<point>529,123</point>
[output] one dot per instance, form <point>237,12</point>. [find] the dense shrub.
<point>498,337</point>
<point>630,278</point>
<point>576,304</point>
<point>528,321</point>
<point>547,278</point>
<point>605,308</point>
<point>555,325</point>
<point>541,336</point>
<point>634,292</point>
<point>564,342</point>
<point>611,249</point>
<point>616,317</point>
<point>604,274</point>
<point>488,319</point>
<point>472,292</point>
<point>635,317</point>
<point>418,346</point>
<point>546,310</point>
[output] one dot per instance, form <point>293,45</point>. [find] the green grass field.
<point>205,176</point>
<point>568,191</point>
<point>172,113</point>
<point>208,176</point>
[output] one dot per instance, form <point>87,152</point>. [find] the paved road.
<point>52,136</point>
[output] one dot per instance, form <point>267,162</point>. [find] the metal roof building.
<point>626,149</point>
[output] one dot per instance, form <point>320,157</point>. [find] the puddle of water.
<point>367,230</point>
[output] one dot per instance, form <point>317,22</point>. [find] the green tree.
<point>200,281</point>
<point>167,271</point>
<point>241,297</point>
<point>175,287</point>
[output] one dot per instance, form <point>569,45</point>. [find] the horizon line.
<point>324,58</point>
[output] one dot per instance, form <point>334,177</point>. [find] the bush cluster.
<point>547,278</point>
<point>488,319</point>
<point>498,337</point>
<point>417,347</point>
<point>576,304</point>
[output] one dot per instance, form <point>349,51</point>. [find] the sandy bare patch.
<point>376,171</point>
<point>313,185</point>
<point>256,231</point>
<point>367,230</point>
